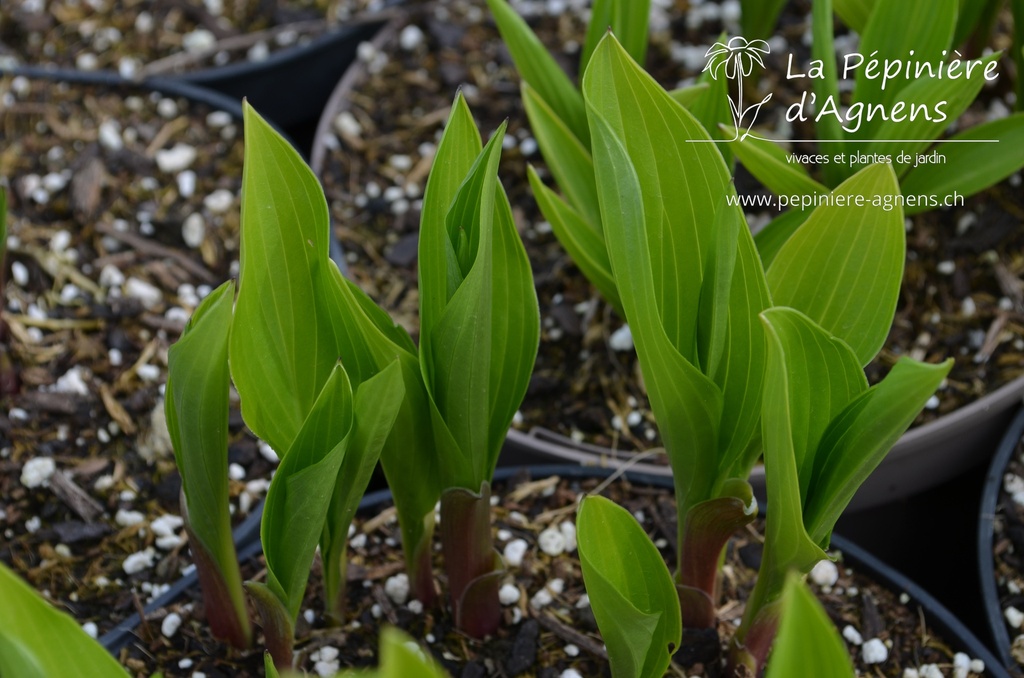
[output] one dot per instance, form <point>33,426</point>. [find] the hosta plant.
<point>557,115</point>
<point>282,338</point>
<point>896,116</point>
<point>696,296</point>
<point>479,334</point>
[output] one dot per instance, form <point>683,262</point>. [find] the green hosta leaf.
<point>281,346</point>
<point>822,375</point>
<point>687,404</point>
<point>971,168</point>
<point>682,183</point>
<point>630,589</point>
<point>855,13</point>
<point>300,493</point>
<point>807,643</point>
<point>767,161</point>
<point>537,67</point>
<point>828,127</point>
<point>567,158</point>
<point>930,92</point>
<point>690,95</point>
<point>627,19</point>
<point>975,15</point>
<point>860,437</point>
<point>38,641</point>
<point>477,354</point>
<point>3,224</point>
<point>1017,7</point>
<point>758,17</point>
<point>933,21</point>
<point>855,254</point>
<point>376,407</point>
<point>580,239</point>
<point>196,408</point>
<point>787,432</point>
<point>773,236</point>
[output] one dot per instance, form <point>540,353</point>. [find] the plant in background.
<point>917,111</point>
<point>38,641</point>
<point>693,289</point>
<point>557,116</point>
<point>479,334</point>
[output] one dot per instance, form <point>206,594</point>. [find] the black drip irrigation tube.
<point>986,538</point>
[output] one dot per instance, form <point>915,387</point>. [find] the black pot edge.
<point>951,628</point>
<point>164,85</point>
<point>986,529</point>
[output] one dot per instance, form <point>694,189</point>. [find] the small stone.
<point>199,40</point>
<point>514,552</point>
<point>219,201</point>
<point>86,61</point>
<point>874,651</point>
<point>193,230</point>
<point>568,530</point>
<point>411,37</point>
<point>111,276</point>
<point>90,629</point>
<point>397,588</point>
<point>551,542</point>
<point>570,673</point>
<point>176,159</point>
<point>825,573</point>
<point>148,294</point>
<point>1014,617</point>
<point>977,666</point>
<point>621,340</point>
<point>137,562</point>
<point>218,119</point>
<point>946,267</point>
<point>148,372</point>
<point>37,472</point>
<point>127,518</point>
<point>509,594</point>
<point>110,135</point>
<point>236,472</point>
<point>268,453</point>
<point>852,635</point>
<point>19,273</point>
<point>258,52</point>
<point>347,126</point>
<point>170,625</point>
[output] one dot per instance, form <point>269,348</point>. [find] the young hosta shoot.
<point>968,168</point>
<point>294,318</point>
<point>808,643</point>
<point>39,641</point>
<point>479,333</point>
<point>631,590</point>
<point>693,288</point>
<point>824,432</point>
<point>400,657</point>
<point>196,406</point>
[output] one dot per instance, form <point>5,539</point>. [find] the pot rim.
<point>986,538</point>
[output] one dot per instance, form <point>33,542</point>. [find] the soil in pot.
<point>962,295</point>
<point>139,38</point>
<point>123,214</point>
<point>548,628</point>
<point>1008,553</point>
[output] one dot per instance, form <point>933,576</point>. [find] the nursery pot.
<point>924,457</point>
<point>291,85</point>
<point>959,638</point>
<point>992,597</point>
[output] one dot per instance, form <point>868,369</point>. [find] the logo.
<point>736,60</point>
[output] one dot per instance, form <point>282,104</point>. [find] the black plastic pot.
<point>292,85</point>
<point>986,538</point>
<point>937,616</point>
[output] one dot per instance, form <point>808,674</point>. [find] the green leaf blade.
<point>970,168</point>
<point>807,642</point>
<point>768,163</point>
<point>856,254</point>
<point>630,589</point>
<point>281,346</point>
<point>28,627</point>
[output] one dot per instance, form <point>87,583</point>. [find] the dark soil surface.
<point>549,628</point>
<point>963,294</point>
<point>1008,552</point>
<point>151,37</point>
<point>112,242</point>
